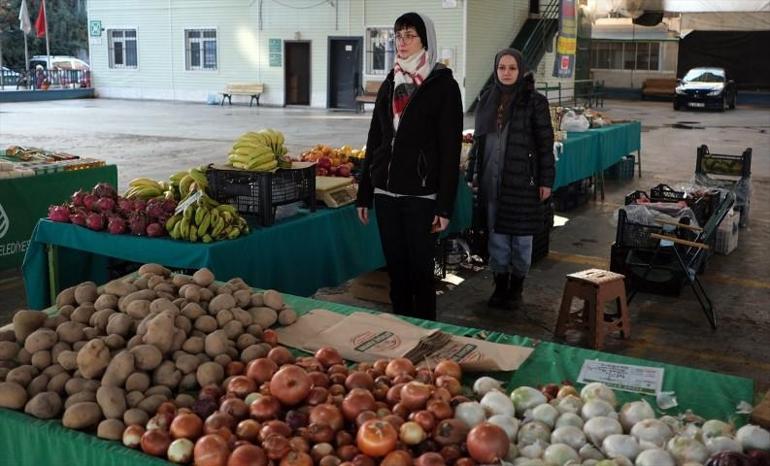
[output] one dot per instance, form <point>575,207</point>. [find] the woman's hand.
<point>439,224</point>
<point>363,215</point>
<point>545,192</point>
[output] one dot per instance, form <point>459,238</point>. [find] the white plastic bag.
<point>572,122</point>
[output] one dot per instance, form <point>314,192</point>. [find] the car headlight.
<point>679,91</point>
<point>715,92</point>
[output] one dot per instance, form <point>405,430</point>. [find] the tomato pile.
<point>314,410</point>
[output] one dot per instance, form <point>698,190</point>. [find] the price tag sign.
<point>624,377</point>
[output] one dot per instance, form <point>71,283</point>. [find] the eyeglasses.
<point>406,38</point>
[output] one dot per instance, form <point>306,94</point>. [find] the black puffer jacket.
<point>528,164</point>
<point>423,157</point>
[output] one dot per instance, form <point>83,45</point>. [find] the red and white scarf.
<point>408,74</point>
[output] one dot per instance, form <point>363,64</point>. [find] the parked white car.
<point>59,62</point>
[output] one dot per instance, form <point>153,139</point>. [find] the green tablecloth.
<point>27,441</point>
<point>587,153</point>
<point>297,256</point>
<point>24,200</point>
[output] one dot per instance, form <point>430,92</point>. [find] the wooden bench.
<point>367,95</point>
<point>658,87</point>
<point>253,90</point>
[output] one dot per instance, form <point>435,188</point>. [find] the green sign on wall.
<point>275,49</point>
<point>95,28</point>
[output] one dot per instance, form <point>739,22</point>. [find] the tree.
<point>67,28</point>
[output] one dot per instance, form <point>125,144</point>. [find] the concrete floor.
<point>158,138</point>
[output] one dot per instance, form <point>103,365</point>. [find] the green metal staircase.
<point>533,40</point>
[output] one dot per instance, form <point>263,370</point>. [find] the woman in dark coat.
<point>411,168</point>
<point>513,167</point>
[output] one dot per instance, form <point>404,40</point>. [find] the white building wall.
<point>491,25</point>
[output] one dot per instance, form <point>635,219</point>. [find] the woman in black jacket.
<point>411,168</point>
<point>513,167</point>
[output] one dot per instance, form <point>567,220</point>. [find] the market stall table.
<point>24,200</point>
<point>297,255</point>
<point>28,441</point>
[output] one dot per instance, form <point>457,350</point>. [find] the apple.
<point>325,162</point>
<point>343,170</point>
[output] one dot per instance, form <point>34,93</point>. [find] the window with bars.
<point>379,50</point>
<point>200,49</point>
<point>641,56</point>
<point>122,48</point>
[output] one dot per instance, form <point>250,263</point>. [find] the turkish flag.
<point>40,22</point>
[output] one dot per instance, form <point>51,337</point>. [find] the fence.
<point>579,92</point>
<point>44,79</point>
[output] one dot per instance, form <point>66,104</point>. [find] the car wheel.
<point>723,105</point>
<point>732,102</point>
<point>676,105</point>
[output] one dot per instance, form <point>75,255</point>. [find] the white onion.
<point>596,390</point>
<point>590,452</point>
<point>569,404</point>
<point>546,414</point>
<point>633,412</point>
<point>532,432</point>
<point>692,431</point>
<point>471,413</point>
<point>655,457</point>
<point>620,445</point>
<point>533,450</point>
<point>717,444</point>
<point>673,423</point>
<point>619,461</point>
<point>513,453</point>
<point>652,433</point>
<point>753,437</point>
<point>495,402</point>
<point>509,424</point>
<point>686,449</point>
<point>525,398</point>
<point>484,385</point>
<point>524,461</point>
<point>716,428</point>
<point>569,419</point>
<point>569,435</point>
<point>589,463</point>
<point>598,428</point>
<point>597,407</point>
<point>558,454</point>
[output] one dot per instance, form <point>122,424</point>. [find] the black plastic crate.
<point>572,195</point>
<point>665,193</point>
<point>633,197</point>
<point>668,285</point>
<point>258,194</point>
<point>623,170</point>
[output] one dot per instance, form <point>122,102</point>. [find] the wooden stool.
<point>595,287</point>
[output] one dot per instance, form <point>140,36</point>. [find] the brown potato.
<point>221,302</point>
<point>119,324</point>
<point>156,269</point>
<point>160,331</point>
<point>209,373</point>
<point>111,429</point>
<point>46,405</point>
<point>135,416</point>
<point>112,400</point>
<point>39,340</point>
<point>118,370</point>
<point>106,301</point>
<point>146,357</point>
<point>138,381</point>
<point>203,277</point>
<point>70,332</point>
<point>79,397</point>
<point>83,313</point>
<point>119,288</point>
<point>93,359</point>
<point>82,415</point>
<point>12,395</point>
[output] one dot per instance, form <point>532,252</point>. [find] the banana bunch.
<point>258,151</point>
<point>206,220</point>
<point>184,183</point>
<point>145,188</point>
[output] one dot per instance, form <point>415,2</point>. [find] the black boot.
<point>500,296</point>
<point>515,289</point>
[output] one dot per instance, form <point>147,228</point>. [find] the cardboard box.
<point>761,413</point>
<point>727,233</point>
<point>373,286</point>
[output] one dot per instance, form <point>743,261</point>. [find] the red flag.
<point>40,22</point>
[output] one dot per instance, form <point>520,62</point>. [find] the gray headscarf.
<point>489,105</point>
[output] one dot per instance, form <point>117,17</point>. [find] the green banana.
<point>200,212</point>
<point>199,178</point>
<point>227,208</point>
<point>184,184</point>
<point>189,212</point>
<point>193,236</point>
<point>233,233</point>
<point>266,166</point>
<point>176,231</point>
<point>172,221</point>
<point>207,238</point>
<point>203,227</point>
<point>218,227</point>
<point>184,228</point>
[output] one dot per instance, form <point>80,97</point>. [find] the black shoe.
<point>515,288</point>
<point>499,298</point>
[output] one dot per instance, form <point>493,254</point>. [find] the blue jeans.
<point>507,253</point>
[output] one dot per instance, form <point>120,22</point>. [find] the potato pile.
<point>112,355</point>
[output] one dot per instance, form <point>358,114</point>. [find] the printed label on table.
<point>625,377</point>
